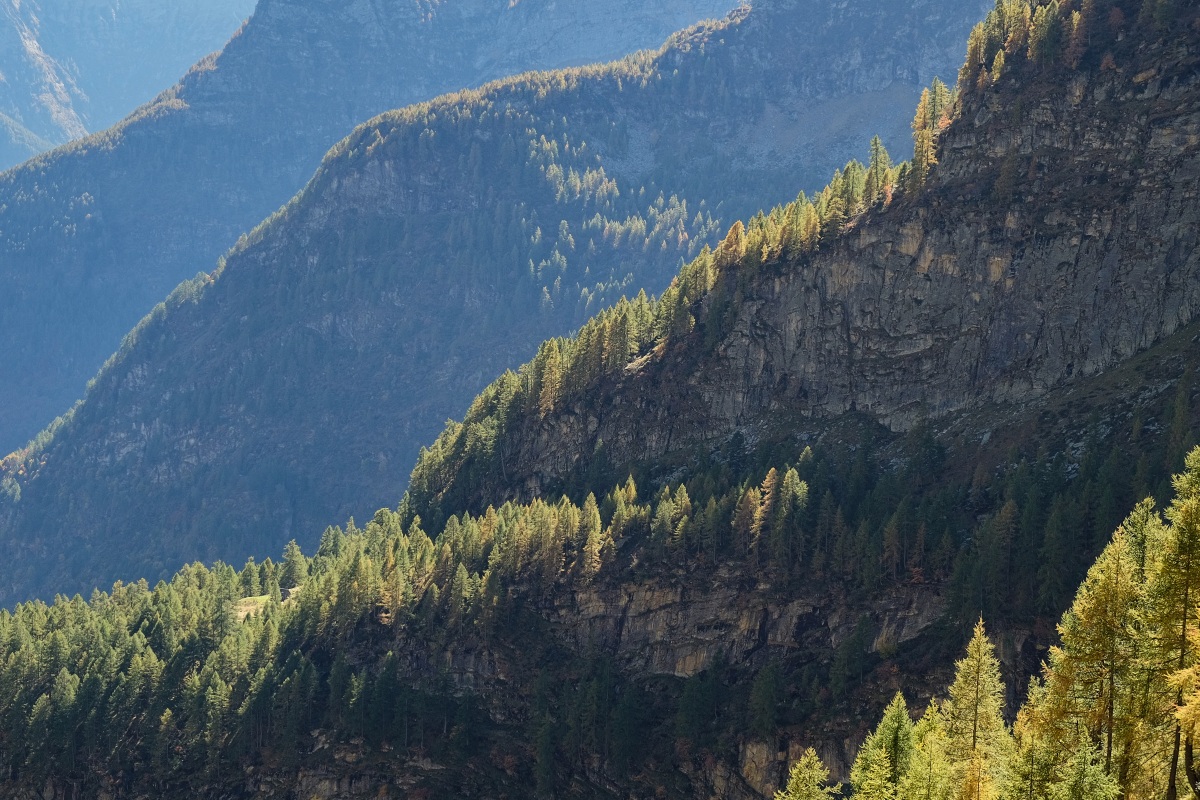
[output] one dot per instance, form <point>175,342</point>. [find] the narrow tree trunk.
<point>1189,765</point>
<point>1172,792</point>
<point>1173,778</point>
<point>1108,745</point>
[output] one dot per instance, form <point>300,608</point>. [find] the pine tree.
<point>929,773</point>
<point>763,707</point>
<point>978,742</point>
<point>809,780</point>
<point>295,566</point>
<point>885,756</point>
<point>1175,591</point>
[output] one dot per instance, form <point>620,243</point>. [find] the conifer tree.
<point>1035,760</point>
<point>885,756</point>
<point>871,776</point>
<point>1046,34</point>
<point>764,514</point>
<point>1088,678</point>
<point>552,376</point>
<point>765,695</point>
<point>594,539</point>
<point>1174,593</point>
<point>978,742</point>
<point>929,773</point>
<point>809,780</point>
<point>923,123</point>
<point>975,59</point>
<point>732,248</point>
<point>743,520</point>
<point>1083,777</point>
<point>895,736</point>
<point>877,188</point>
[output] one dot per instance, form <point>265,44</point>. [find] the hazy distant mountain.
<point>70,67</point>
<point>93,235</point>
<point>436,246</point>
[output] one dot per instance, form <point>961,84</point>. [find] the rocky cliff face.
<point>72,67</point>
<point>981,290</point>
<point>436,246</point>
<point>97,233</point>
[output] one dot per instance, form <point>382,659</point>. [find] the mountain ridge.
<point>436,244</point>
<point>885,322</point>
<point>693,632</point>
<point>82,237</point>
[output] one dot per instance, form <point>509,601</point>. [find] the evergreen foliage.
<point>1113,713</point>
<point>494,219</point>
<point>808,780</point>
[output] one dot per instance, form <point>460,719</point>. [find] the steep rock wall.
<point>1057,238</point>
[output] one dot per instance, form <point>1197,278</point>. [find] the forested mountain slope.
<point>1056,238</point>
<point>96,233</point>
<point>435,247</point>
<point>691,632</point>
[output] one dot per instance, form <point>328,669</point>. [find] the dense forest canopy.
<point>379,650</point>
<point>439,244</point>
<point>197,678</point>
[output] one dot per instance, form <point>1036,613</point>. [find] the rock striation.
<point>1057,238</point>
<point>439,244</point>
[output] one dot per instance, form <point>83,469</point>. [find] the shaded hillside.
<point>555,646</point>
<point>93,235</point>
<point>437,245</point>
<point>1056,237</point>
<point>74,66</point>
<point>690,633</point>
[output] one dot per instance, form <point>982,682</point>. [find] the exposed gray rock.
<point>965,296</point>
<point>294,387</point>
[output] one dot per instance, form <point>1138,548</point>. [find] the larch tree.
<point>871,775</point>
<point>743,520</point>
<point>1173,596</point>
<point>884,757</point>
<point>1088,674</point>
<point>1035,758</point>
<point>879,171</point>
<point>928,775</point>
<point>592,535</point>
<point>1083,776</point>
<point>978,742</point>
<point>923,137</point>
<point>809,780</point>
